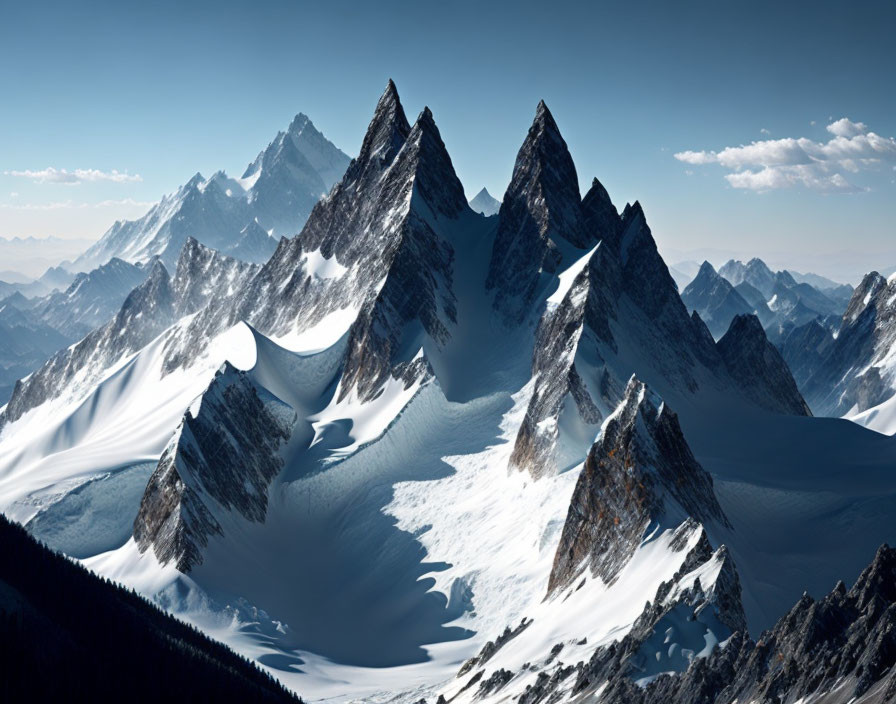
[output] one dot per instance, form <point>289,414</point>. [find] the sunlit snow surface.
<point>397,540</point>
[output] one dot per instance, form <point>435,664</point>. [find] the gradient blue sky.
<point>165,89</point>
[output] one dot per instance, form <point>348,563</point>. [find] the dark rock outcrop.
<point>222,458</point>
<point>640,471</point>
<point>540,218</point>
<point>763,374</point>
<point>839,649</point>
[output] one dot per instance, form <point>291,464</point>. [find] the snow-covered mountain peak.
<point>196,180</point>
<point>278,190</point>
<point>866,292</point>
<point>755,272</point>
<point>484,203</point>
<point>715,298</point>
<point>298,125</point>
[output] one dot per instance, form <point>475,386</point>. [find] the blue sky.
<point>131,99</point>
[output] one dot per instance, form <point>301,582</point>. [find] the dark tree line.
<point>67,635</point>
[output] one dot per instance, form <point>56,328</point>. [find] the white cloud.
<point>844,127</point>
<point>696,157</point>
<point>785,163</point>
<point>56,205</point>
<point>72,205</point>
<point>54,175</point>
<point>779,177</point>
<point>122,202</point>
<point>764,131</point>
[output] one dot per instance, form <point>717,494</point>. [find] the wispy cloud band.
<point>54,175</point>
<point>784,163</point>
<point>69,204</point>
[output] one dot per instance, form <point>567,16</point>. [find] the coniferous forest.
<point>68,635</point>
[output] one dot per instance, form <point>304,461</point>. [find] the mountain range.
<point>776,298</point>
<point>420,453</point>
<point>278,189</point>
<point>241,217</point>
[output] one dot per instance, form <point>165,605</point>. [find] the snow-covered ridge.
<point>343,501</point>
<point>276,192</point>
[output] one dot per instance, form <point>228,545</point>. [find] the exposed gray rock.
<point>221,459</point>
<point>492,647</point>
<point>383,226</point>
<point>640,471</point>
<point>752,360</point>
<point>853,373</point>
<point>202,275</point>
<point>91,299</point>
<point>837,650</point>
<point>602,220</point>
<point>540,219</point>
<point>804,348</point>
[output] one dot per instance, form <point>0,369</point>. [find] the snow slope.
<point>399,538</point>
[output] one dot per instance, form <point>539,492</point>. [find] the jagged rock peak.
<point>864,294</point>
<point>631,212</point>
<point>299,123</point>
<point>750,357</point>
<point>157,270</point>
<point>541,218</point>
<point>602,220</point>
<point>484,203</point>
<point>387,131</point>
<point>544,169</point>
<point>195,253</point>
<point>433,173</point>
<point>222,457</point>
<point>706,268</point>
<point>878,580</point>
<point>639,471</point>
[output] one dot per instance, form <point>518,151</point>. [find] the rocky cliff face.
<point>221,459</point>
<point>540,219</point>
<point>855,372</point>
<point>751,359</point>
<point>202,275</point>
<point>622,315</point>
<point>573,386</point>
<point>377,245</point>
<point>291,175</point>
<point>804,348</point>
<point>639,472</point>
<point>839,649</point>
